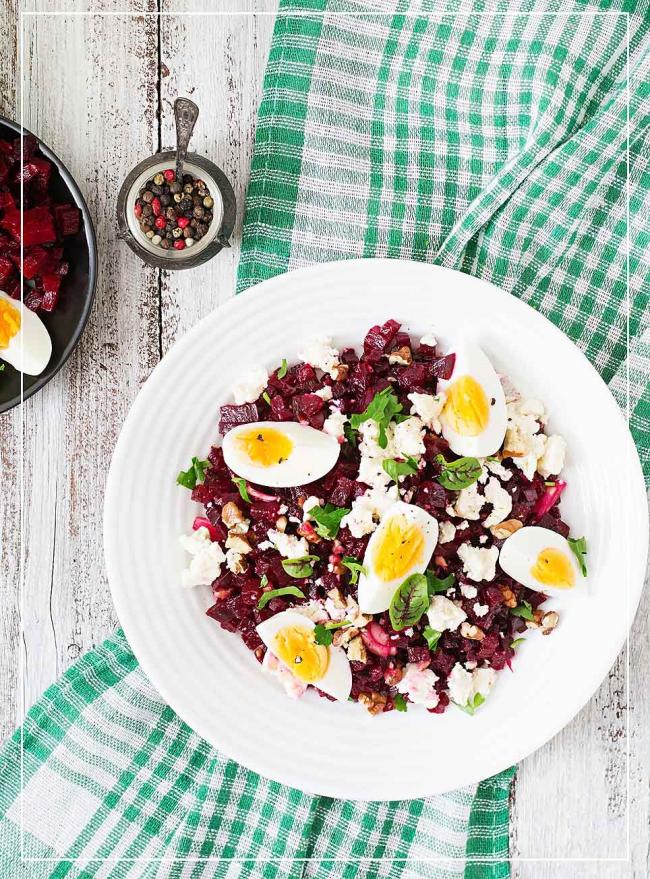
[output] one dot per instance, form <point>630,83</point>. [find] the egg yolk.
<point>265,446</point>
<point>400,550</point>
<point>553,568</point>
<point>466,409</point>
<point>9,322</point>
<point>296,647</point>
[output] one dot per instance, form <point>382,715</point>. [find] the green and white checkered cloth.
<point>495,144</point>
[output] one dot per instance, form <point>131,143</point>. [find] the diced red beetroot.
<point>416,377</point>
<point>279,410</point>
<point>38,226</point>
<point>400,340</point>
<point>342,492</point>
<point>35,261</point>
<point>6,269</point>
<point>67,219</point>
<point>265,512</point>
<point>34,169</point>
<point>51,285</point>
<point>378,339</point>
<point>304,374</point>
<point>232,415</point>
<point>201,494</point>
<point>306,406</point>
<point>554,524</point>
<point>432,496</point>
<point>419,653</point>
<point>6,201</point>
<point>443,367</point>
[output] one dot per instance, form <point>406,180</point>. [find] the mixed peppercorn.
<point>174,213</point>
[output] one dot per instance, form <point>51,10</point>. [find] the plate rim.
<point>290,776</point>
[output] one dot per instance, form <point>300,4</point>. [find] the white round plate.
<point>209,677</point>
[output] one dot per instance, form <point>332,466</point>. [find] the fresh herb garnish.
<point>264,581</point>
<point>432,637</point>
<point>266,398</point>
<point>400,702</point>
<point>516,642</point>
<point>395,469</point>
<point>242,488</point>
<point>278,593</point>
<point>323,631</point>
<point>349,434</point>
<point>283,369</point>
<point>382,409</point>
<point>301,567</point>
<point>524,610</point>
<point>328,519</point>
<point>355,568</point>
<point>579,548</point>
<point>2,367</point>
<point>435,585</point>
<point>456,475</point>
<point>472,704</point>
<point>196,473</point>
<point>409,603</point>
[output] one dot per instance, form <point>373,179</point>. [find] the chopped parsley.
<point>395,468</point>
<point>524,610</point>
<point>328,519</point>
<point>432,637</point>
<point>435,585</point>
<point>400,702</point>
<point>579,548</point>
<point>323,632</point>
<point>382,409</point>
<point>355,568</point>
<point>196,473</point>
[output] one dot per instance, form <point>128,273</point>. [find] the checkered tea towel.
<point>492,143</point>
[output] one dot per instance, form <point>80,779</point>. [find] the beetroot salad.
<point>383,525</point>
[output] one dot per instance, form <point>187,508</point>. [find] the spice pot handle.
<point>185,113</point>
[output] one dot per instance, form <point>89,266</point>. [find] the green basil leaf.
<point>409,602</point>
<point>400,702</point>
<point>471,707</point>
<point>435,585</point>
<point>283,369</point>
<point>524,610</point>
<point>579,548</point>
<point>278,593</point>
<point>328,519</point>
<point>517,642</point>
<point>382,409</point>
<point>432,637</point>
<point>242,488</point>
<point>456,475</point>
<point>196,473</point>
<point>301,567</point>
<point>395,468</point>
<point>354,567</point>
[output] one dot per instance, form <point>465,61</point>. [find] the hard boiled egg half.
<point>474,414</point>
<point>290,637</point>
<point>402,545</point>
<point>24,341</point>
<point>279,454</point>
<point>540,559</point>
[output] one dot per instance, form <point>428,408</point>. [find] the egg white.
<point>337,680</point>
<point>519,554</point>
<point>471,360</point>
<point>376,594</point>
<point>29,351</point>
<point>314,453</point>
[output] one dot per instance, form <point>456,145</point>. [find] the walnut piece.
<point>374,703</point>
<point>281,524</point>
<point>509,598</point>
<point>231,515</point>
<point>505,529</point>
<point>549,621</point>
<point>467,630</point>
<point>238,543</point>
<point>339,372</point>
<point>356,650</point>
<point>401,356</point>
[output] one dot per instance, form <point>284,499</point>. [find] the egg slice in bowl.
<point>24,341</point>
<point>540,559</point>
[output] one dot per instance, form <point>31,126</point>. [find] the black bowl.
<point>66,323</point>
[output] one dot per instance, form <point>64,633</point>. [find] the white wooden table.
<point>99,89</point>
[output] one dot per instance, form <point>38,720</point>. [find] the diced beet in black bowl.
<point>60,251</point>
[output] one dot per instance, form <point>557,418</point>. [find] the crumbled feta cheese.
<point>282,509</point>
<point>409,437</point>
<point>322,355</point>
<point>470,666</point>
<point>500,500</point>
<point>552,461</point>
<point>335,423</point>
<point>447,532</point>
<point>523,441</point>
<point>462,525</point>
<point>444,614</point>
<point>483,538</point>
<point>480,609</point>
<point>288,545</point>
<point>429,339</point>
<point>265,544</point>
<point>273,666</point>
<point>235,561</point>
<point>368,509</point>
<point>464,685</point>
<point>478,564</point>
<point>308,505</point>
<point>372,473</point>
<point>251,386</point>
<point>459,684</point>
<point>468,591</point>
<point>419,685</point>
<point>369,440</point>
<point>469,502</point>
<point>325,393</point>
<point>207,558</point>
<point>428,407</point>
<point>499,470</point>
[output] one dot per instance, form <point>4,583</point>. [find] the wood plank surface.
<point>103,104</point>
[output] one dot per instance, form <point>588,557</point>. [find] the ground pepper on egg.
<point>174,213</point>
